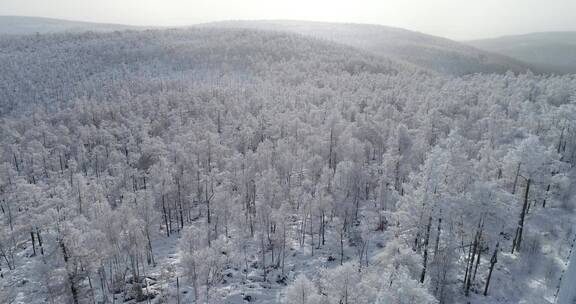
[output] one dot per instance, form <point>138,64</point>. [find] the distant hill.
<point>431,52</point>
<point>18,25</point>
<point>551,50</point>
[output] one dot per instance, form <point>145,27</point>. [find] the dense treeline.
<point>245,146</point>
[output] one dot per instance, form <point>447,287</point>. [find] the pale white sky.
<point>456,19</point>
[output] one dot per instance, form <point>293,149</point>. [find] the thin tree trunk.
<point>263,258</point>
<point>425,260</point>
<point>518,239</point>
<point>33,243</point>
<point>39,241</point>
<point>437,244</point>
<point>207,201</point>
<point>311,233</point>
<point>466,274</point>
<point>165,215</point>
<point>493,262</point>
<point>177,290</point>
<point>342,246</point>
<point>180,204</point>
<point>516,178</point>
<point>478,258</point>
<point>283,246</point>
<point>546,196</point>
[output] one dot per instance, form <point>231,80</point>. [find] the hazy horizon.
<point>452,19</point>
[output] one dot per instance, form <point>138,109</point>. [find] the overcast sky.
<point>456,19</point>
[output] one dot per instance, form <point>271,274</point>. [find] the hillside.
<point>37,70</point>
<point>550,50</point>
<point>212,165</point>
<point>431,52</point>
<point>20,25</point>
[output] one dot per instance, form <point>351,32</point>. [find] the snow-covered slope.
<point>21,25</point>
<point>551,50</point>
<point>435,53</point>
<point>58,68</point>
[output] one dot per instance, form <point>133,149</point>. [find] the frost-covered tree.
<point>302,291</point>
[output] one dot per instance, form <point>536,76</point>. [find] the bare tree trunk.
<point>263,258</point>
<point>177,290</point>
<point>180,204</point>
<point>331,158</point>
<point>33,243</point>
<point>311,232</point>
<point>165,215</point>
<point>518,239</point>
<point>320,227</point>
<point>425,260</point>
<point>39,241</point>
<point>283,246</point>
<point>437,244</point>
<point>560,141</point>
<point>516,178</point>
<point>546,196</point>
<point>208,214</point>
<point>323,228</point>
<point>16,163</point>
<point>468,258</point>
<point>150,252</point>
<point>342,238</point>
<point>493,262</point>
<point>342,246</point>
<point>478,258</point>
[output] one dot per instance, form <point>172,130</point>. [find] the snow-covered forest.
<point>213,165</point>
